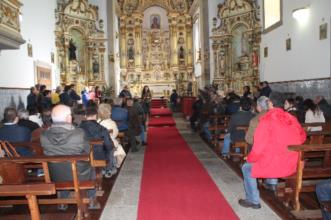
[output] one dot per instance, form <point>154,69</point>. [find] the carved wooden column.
<point>138,19</point>
<point>173,39</point>
<point>123,48</point>
<point>189,41</point>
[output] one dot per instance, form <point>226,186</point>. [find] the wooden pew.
<point>30,191</point>
<point>97,164</point>
<point>218,128</point>
<point>317,124</point>
<point>306,177</point>
<point>76,185</point>
<point>242,145</point>
<point>34,147</point>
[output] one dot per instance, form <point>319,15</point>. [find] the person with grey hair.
<point>269,157</point>
<point>261,108</point>
<point>24,121</point>
<point>62,138</point>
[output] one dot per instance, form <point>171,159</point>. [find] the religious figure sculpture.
<point>95,67</point>
<point>181,52</point>
<point>72,50</point>
<point>131,53</point>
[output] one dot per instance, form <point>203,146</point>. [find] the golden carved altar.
<point>80,42</point>
<point>159,56</point>
<point>236,45</point>
<point>10,30</point>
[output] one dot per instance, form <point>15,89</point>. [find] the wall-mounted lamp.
<point>301,14</point>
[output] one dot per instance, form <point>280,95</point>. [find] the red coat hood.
<point>270,156</point>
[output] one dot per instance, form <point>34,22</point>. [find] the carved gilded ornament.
<point>10,36</point>
<point>236,42</point>
<point>9,15</point>
<point>155,55</point>
<point>80,42</point>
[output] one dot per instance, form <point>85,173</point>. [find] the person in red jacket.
<point>270,157</point>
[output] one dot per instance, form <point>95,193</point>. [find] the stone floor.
<point>123,201</point>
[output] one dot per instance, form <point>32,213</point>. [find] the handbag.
<point>119,154</point>
<point>10,172</point>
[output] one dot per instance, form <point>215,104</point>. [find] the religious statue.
<point>131,53</point>
<point>72,50</point>
<point>255,59</point>
<point>95,67</point>
<point>189,88</point>
<point>181,52</point>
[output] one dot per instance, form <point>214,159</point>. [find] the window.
<point>272,14</point>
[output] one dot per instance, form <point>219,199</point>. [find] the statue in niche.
<point>222,62</point>
<point>181,52</point>
<point>189,88</point>
<point>131,53</point>
<point>95,67</point>
<point>72,50</point>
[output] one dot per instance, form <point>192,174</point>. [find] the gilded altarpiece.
<point>156,56</point>
<point>10,30</point>
<point>80,42</point>
<point>236,45</point>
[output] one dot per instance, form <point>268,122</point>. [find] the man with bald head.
<point>62,138</point>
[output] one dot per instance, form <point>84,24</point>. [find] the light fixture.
<point>301,14</point>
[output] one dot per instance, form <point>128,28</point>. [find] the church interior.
<point>165,109</point>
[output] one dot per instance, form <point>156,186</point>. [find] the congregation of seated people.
<point>272,121</point>
<point>63,123</point>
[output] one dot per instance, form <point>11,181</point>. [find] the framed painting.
<point>155,21</point>
<point>30,52</point>
<point>288,44</point>
<point>323,31</point>
<point>265,52</point>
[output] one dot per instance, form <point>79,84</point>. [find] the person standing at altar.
<point>146,97</point>
<point>125,94</point>
<point>91,93</point>
<point>173,100</point>
<point>98,93</point>
<point>85,96</point>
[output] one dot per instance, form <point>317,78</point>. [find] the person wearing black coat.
<point>32,99</point>
<point>239,118</point>
<point>93,130</point>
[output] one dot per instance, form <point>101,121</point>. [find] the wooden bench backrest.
<point>303,172</point>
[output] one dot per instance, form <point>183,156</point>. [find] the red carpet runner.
<point>161,121</point>
<point>174,185</point>
<point>160,112</point>
<point>159,103</point>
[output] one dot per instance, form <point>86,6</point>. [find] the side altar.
<point>80,43</point>
<point>236,45</point>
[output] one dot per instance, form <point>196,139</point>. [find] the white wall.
<point>155,10</point>
<point>102,5</point>
<point>37,27</point>
<point>212,12</point>
<point>310,56</point>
